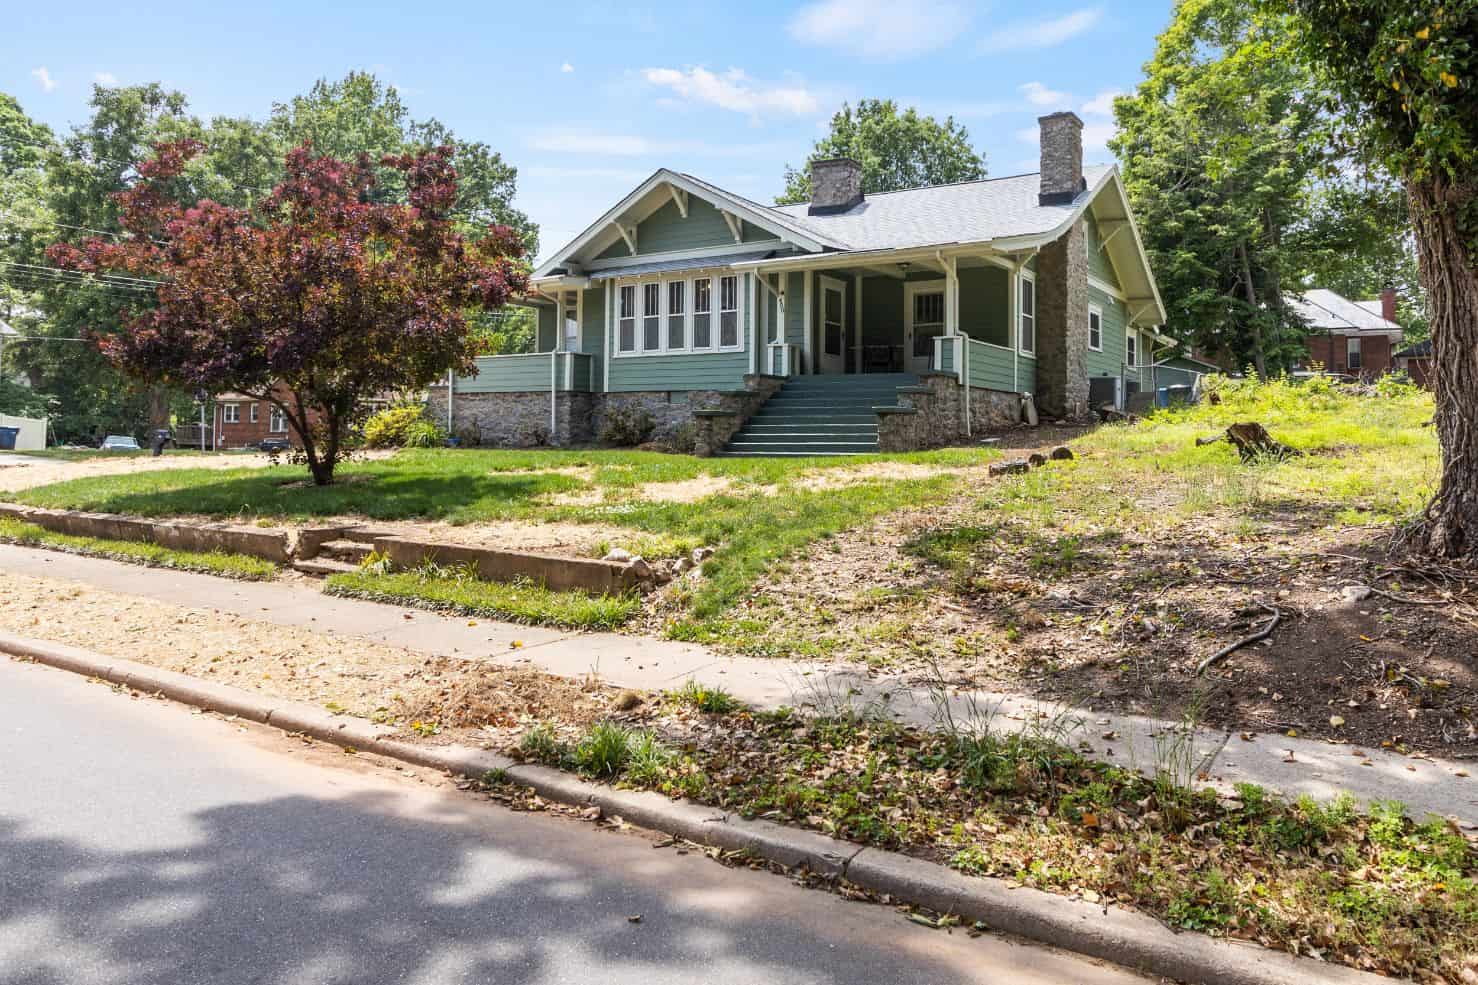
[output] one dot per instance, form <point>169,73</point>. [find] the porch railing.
<point>530,372</point>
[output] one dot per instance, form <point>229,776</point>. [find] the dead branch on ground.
<point>1256,637</point>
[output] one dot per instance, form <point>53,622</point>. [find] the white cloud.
<point>567,68</point>
<point>880,28</point>
<point>1042,34</point>
<point>1039,95</point>
<point>1102,104</point>
<point>42,76</point>
<point>632,145</point>
<point>733,90</point>
<point>105,79</point>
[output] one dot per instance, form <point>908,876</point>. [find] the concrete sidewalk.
<point>1292,766</point>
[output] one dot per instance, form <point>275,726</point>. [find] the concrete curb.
<point>1124,937</point>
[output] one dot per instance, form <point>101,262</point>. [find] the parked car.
<point>273,445</point>
<point>119,442</point>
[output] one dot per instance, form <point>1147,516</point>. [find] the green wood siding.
<point>666,231</point>
<point>593,331</point>
<point>575,372</point>
<point>795,308</point>
<point>985,304</point>
<point>1098,261</point>
<point>1109,362</point>
<point>991,367</point>
<point>508,374</point>
<point>1026,371</point>
<point>548,328</point>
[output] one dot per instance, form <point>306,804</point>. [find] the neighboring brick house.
<point>1354,337</point>
<point>245,422</point>
<point>1416,362</point>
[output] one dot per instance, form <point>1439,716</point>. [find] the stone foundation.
<point>521,420</point>
<point>932,414</point>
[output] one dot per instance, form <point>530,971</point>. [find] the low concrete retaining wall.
<point>271,545</point>
<point>559,573</point>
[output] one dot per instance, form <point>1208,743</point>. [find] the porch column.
<point>952,296</point>
<point>780,323</point>
<point>806,359</point>
<point>857,324</point>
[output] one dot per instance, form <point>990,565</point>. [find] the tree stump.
<point>1254,443</point>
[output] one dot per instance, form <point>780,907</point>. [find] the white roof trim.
<point>748,211</point>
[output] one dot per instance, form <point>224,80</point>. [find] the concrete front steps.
<point>819,415</point>
<point>339,556</point>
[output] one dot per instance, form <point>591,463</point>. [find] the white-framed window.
<point>571,321</point>
<point>728,312</point>
<point>252,413</point>
<point>680,315</point>
<point>1352,352</point>
<point>1131,348</point>
<point>1028,314</point>
<point>277,421</point>
<point>626,318</point>
<point>703,313</point>
<point>677,314</point>
<point>651,317</point>
<point>1095,328</point>
<point>231,413</point>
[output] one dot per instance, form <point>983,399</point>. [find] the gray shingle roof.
<point>1323,308</point>
<point>968,212</point>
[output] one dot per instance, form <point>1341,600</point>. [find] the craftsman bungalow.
<point>847,324</point>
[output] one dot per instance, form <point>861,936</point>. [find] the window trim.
<point>1027,277</point>
<point>1357,352</point>
<point>231,413</point>
<point>1094,311</point>
<point>254,413</point>
<point>690,280</point>
<point>1131,335</point>
<point>634,318</point>
<point>561,339</point>
<point>275,418</point>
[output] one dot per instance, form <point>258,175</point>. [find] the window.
<point>231,413</point>
<point>252,414</point>
<point>831,321</point>
<point>1095,329</point>
<point>572,321</point>
<point>703,313</point>
<point>1028,315</point>
<point>277,421</point>
<point>1352,353</point>
<point>728,311</point>
<point>626,320</point>
<point>1131,349</point>
<point>651,317</point>
<point>677,313</point>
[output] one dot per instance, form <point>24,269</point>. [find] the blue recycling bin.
<point>7,438</point>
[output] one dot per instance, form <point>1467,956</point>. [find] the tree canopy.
<point>316,299</point>
<point>1239,193</point>
<point>897,150</point>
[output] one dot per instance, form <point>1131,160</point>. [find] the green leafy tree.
<point>1403,77</point>
<point>897,150</point>
<point>1237,194</point>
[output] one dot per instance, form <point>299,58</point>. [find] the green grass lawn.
<point>764,513</point>
<point>207,562</point>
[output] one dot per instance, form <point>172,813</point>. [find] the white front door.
<point>833,327</point>
<point>923,321</point>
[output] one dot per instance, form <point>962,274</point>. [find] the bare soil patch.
<point>44,471</point>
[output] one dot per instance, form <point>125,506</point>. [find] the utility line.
<point>82,273</point>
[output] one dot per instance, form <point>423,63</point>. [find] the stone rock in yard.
<point>1062,453</point>
<point>701,554</point>
<point>619,555</point>
<point>1036,460</point>
<point>640,568</point>
<point>683,564</point>
<point>1355,593</point>
<point>1015,467</point>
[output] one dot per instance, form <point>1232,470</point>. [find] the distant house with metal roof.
<point>1354,337</point>
<point>849,323</point>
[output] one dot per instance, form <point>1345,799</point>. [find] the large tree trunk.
<point>1449,526</point>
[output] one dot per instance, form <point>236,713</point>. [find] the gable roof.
<point>1323,309</point>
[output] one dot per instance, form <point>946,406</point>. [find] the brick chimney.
<point>1388,303</point>
<point>1062,158</point>
<point>836,185</point>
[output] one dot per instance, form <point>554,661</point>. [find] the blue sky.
<point>587,99</point>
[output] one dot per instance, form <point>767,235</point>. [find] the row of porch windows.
<point>678,316</point>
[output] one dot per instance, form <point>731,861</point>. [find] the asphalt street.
<point>143,843</point>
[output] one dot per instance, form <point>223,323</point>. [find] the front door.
<point>833,327</point>
<point>923,321</point>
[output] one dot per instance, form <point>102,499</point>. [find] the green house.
<point>848,324</point>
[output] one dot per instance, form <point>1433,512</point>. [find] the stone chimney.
<point>1062,158</point>
<point>1388,303</point>
<point>836,185</point>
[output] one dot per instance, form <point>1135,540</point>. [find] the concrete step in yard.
<point>350,551</point>
<point>322,567</point>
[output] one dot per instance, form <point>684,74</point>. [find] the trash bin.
<point>1162,397</point>
<point>7,438</point>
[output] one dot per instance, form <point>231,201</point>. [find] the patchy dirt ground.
<point>15,476</point>
<point>1122,623</point>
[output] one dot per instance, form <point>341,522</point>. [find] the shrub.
<point>627,426</point>
<point>403,426</point>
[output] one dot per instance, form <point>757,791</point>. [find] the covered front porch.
<point>914,312</point>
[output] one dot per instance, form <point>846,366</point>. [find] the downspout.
<point>450,378</point>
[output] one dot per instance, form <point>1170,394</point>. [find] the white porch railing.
<point>784,359</point>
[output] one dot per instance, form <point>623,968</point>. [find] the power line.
<point>120,278</point>
<point>41,278</point>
